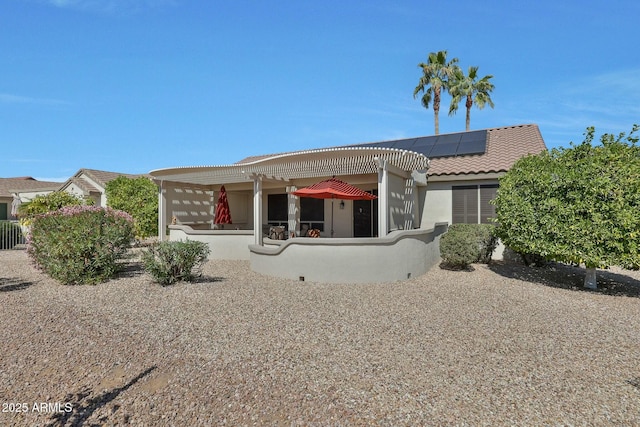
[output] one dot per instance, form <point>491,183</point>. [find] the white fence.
<point>11,236</point>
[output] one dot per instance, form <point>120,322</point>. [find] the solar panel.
<point>424,145</point>
<point>444,150</point>
<point>474,135</point>
<point>404,144</point>
<point>452,138</point>
<point>447,145</point>
<point>471,147</point>
<point>473,143</point>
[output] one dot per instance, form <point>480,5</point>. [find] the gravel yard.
<point>502,345</point>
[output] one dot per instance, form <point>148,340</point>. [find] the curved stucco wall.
<point>399,256</point>
<point>224,244</point>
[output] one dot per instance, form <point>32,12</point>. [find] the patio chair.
<point>314,232</point>
<point>276,233</point>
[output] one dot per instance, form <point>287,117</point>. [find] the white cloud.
<point>607,101</point>
<point>64,3</point>
<point>7,98</point>
<point>110,6</point>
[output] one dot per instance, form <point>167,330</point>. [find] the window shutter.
<point>487,210</point>
<point>464,204</point>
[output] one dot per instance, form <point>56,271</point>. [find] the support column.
<point>162,213</point>
<point>413,204</point>
<point>257,209</point>
<point>212,209</point>
<point>293,210</point>
<point>383,198</point>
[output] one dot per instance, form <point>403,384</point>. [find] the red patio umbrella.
<point>334,188</point>
<point>222,214</point>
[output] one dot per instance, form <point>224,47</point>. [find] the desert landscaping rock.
<point>501,345</point>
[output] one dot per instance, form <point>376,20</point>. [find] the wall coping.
<point>189,230</point>
<point>278,246</point>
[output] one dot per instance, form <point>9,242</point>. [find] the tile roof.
<point>82,184</point>
<point>10,185</point>
<point>27,183</point>
<point>505,145</point>
<point>103,177</point>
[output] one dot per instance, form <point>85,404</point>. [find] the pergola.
<point>288,167</point>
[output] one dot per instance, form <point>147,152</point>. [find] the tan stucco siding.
<point>189,205</point>
<point>438,200</point>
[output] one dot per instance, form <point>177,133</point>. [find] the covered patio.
<point>366,234</point>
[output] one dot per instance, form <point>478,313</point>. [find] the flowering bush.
<point>80,244</point>
<point>47,203</point>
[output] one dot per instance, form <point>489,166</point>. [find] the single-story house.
<point>16,190</point>
<point>86,183</point>
<point>92,184</point>
<point>422,185</point>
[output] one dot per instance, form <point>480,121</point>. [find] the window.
<point>277,208</point>
<point>311,211</point>
<point>465,204</point>
<point>487,210</point>
<point>470,203</point>
<point>4,211</point>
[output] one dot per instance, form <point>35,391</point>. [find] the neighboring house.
<point>22,189</point>
<point>92,183</point>
<point>422,184</point>
<point>86,183</point>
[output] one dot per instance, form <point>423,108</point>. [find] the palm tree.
<point>469,87</point>
<point>436,74</point>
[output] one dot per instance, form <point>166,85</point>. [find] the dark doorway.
<point>365,218</point>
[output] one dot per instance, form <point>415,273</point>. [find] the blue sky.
<point>136,85</point>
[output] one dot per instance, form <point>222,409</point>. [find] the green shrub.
<point>80,244</point>
<point>10,234</point>
<point>48,203</point>
<point>169,262</point>
<point>139,197</point>
<point>465,244</point>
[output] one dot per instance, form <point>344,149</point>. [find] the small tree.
<point>577,205</point>
<point>139,198</point>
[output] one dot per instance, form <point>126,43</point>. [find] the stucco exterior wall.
<point>398,256</point>
<point>437,204</point>
<point>438,200</point>
<point>98,199</point>
<point>101,199</point>
<point>224,244</point>
<point>189,205</point>
<point>241,208</point>
<point>397,213</point>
